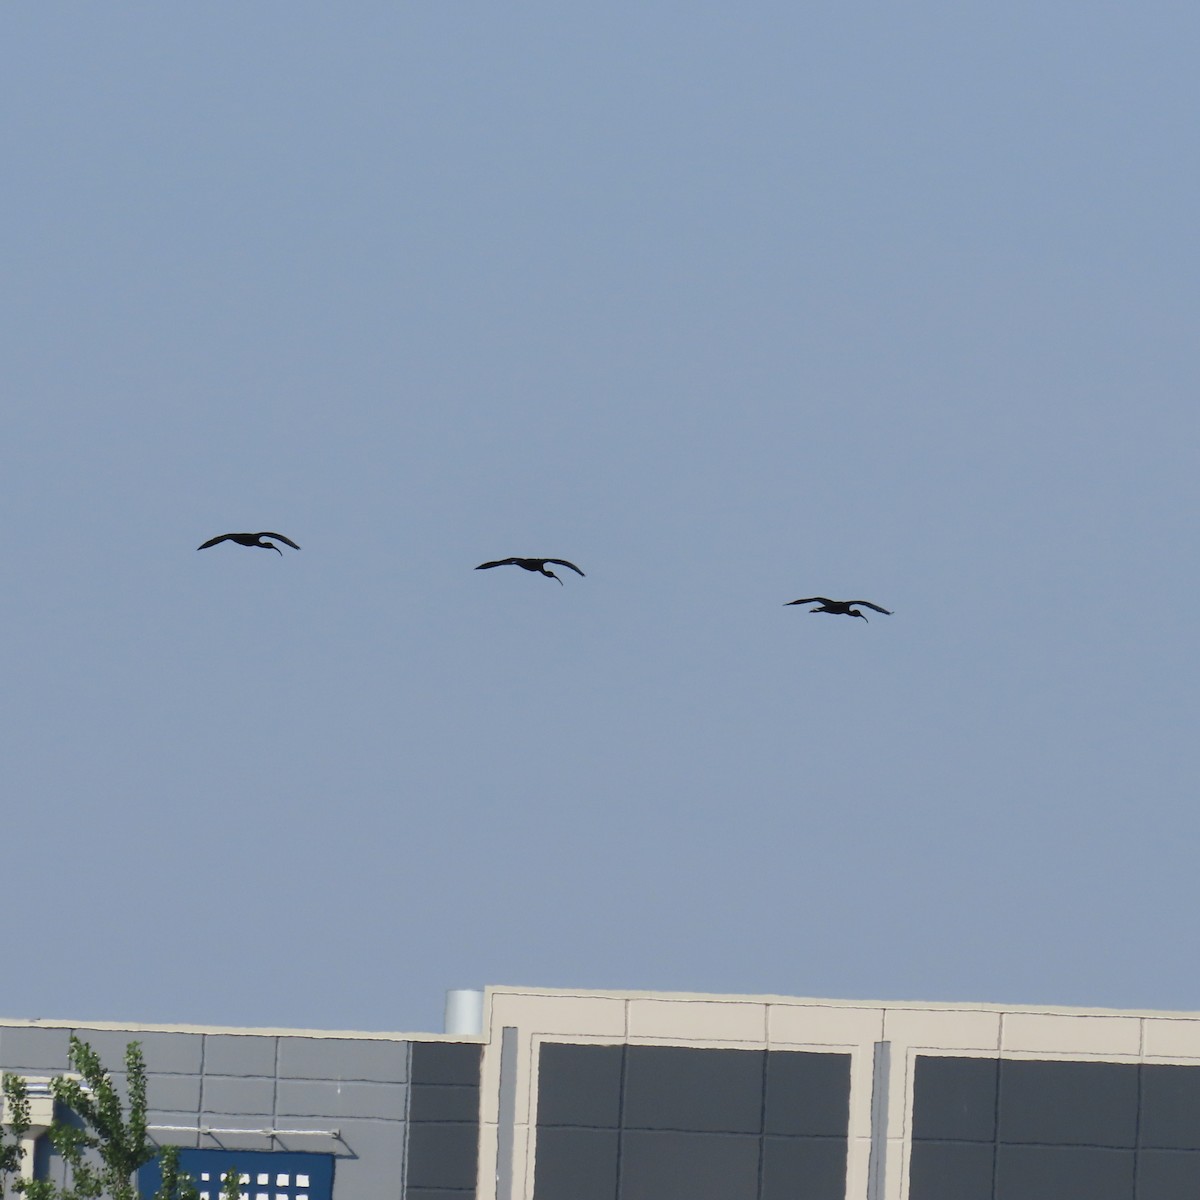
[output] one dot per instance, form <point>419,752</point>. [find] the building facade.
<point>542,1094</point>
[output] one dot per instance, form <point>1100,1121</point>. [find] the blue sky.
<point>727,304</point>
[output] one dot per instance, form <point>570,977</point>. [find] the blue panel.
<point>274,1175</point>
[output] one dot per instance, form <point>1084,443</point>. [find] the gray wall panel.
<point>313,1098</point>
<point>357,1086</point>
<point>223,1094</point>
<point>164,1053</point>
<point>250,1139</point>
<point>175,1138</point>
<point>343,1058</point>
<point>231,1054</point>
<point>370,1165</point>
<point>173,1093</point>
<point>41,1051</point>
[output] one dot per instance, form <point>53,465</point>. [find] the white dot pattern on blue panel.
<point>285,1186</point>
<point>262,1175</point>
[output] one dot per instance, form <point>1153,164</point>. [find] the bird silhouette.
<point>532,564</point>
<point>252,539</point>
<point>839,608</point>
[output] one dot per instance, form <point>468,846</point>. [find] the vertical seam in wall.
<point>996,1116</point>
<point>999,1084</point>
<point>762,1124</point>
<point>1137,1129</point>
<point>1137,1124</point>
<point>408,1072</point>
<point>203,1062</point>
<point>275,1086</point>
<point>625,1010</point>
<point>621,1112</point>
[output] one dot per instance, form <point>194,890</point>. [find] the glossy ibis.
<point>840,608</point>
<point>532,564</point>
<point>252,539</point>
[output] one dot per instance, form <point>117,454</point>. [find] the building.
<point>540,1094</point>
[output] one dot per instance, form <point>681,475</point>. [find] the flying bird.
<point>839,608</point>
<point>532,564</point>
<point>252,539</point>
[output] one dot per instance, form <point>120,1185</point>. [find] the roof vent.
<point>464,1012</point>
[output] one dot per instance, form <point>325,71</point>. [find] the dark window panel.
<point>678,1087</point>
<point>812,1168</point>
<point>954,1099</point>
<point>1168,1175</point>
<point>446,1062</point>
<point>442,1156</point>
<point>1063,1173</point>
<point>443,1102</point>
<point>951,1171</point>
<point>579,1085</point>
<point>1170,1118</point>
<point>1068,1103</point>
<point>688,1166</point>
<point>808,1093</point>
<point>575,1164</point>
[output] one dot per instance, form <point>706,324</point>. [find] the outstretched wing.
<point>867,604</point>
<point>280,538</point>
<point>500,562</point>
<point>213,541</point>
<point>562,562</point>
<point>810,600</point>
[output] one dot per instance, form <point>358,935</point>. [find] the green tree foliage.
<point>100,1140</point>
<point>16,1110</point>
